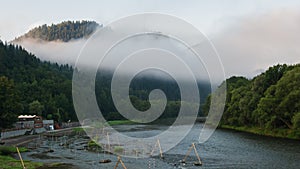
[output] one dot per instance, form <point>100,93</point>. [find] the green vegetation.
<point>120,122</point>
<point>78,129</point>
<point>268,104</point>
<point>118,149</point>
<point>94,146</point>
<point>64,31</point>
<point>30,86</point>
<point>57,166</point>
<point>92,143</point>
<point>36,107</point>
<point>139,91</point>
<point>9,102</point>
<point>8,150</point>
<point>281,133</point>
<point>8,162</point>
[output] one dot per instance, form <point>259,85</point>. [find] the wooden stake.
<point>188,153</point>
<point>108,141</point>
<point>118,141</point>
<point>120,161</point>
<point>20,158</point>
<point>198,157</point>
<point>160,150</point>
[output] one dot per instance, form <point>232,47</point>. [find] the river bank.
<point>9,158</point>
<point>225,149</point>
<point>277,133</point>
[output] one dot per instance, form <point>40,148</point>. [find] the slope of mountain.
<point>268,104</point>
<point>64,31</point>
<point>29,86</point>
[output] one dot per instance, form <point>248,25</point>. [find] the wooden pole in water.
<point>198,157</point>
<point>118,141</point>
<point>120,161</point>
<point>23,165</point>
<point>108,141</point>
<point>160,149</point>
<point>188,153</point>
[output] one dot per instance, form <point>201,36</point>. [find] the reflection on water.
<point>225,149</point>
<point>232,149</point>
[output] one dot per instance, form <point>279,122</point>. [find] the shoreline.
<point>8,151</point>
<point>277,133</point>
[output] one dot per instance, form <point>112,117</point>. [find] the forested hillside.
<point>64,31</point>
<point>269,104</point>
<point>139,91</point>
<point>30,86</point>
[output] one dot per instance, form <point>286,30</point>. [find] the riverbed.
<point>225,149</point>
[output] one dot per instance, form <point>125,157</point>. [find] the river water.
<point>225,149</point>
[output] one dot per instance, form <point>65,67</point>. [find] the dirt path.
<point>21,140</point>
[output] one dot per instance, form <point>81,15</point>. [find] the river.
<point>225,149</point>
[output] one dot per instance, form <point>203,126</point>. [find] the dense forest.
<point>31,86</point>
<point>64,31</point>
<point>139,91</point>
<point>268,104</point>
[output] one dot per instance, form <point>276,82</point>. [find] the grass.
<point>92,143</point>
<point>120,122</point>
<point>8,150</point>
<point>118,149</point>
<point>124,122</point>
<point>78,129</point>
<point>280,133</point>
<point>8,162</point>
<point>57,166</point>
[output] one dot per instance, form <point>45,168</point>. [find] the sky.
<point>18,16</point>
<point>250,35</point>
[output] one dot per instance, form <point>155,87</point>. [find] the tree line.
<point>270,102</point>
<point>64,31</point>
<point>31,86</point>
<point>139,91</point>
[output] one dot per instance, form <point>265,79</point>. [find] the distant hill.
<point>64,31</point>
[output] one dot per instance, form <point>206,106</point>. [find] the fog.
<point>54,51</point>
<point>255,43</point>
<point>246,48</point>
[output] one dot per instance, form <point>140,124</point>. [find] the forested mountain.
<point>30,86</point>
<point>139,91</point>
<point>268,104</point>
<point>64,31</point>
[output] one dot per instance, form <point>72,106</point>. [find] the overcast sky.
<point>210,16</point>
<point>250,35</point>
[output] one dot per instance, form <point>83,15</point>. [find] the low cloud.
<point>54,51</point>
<point>255,43</point>
<point>246,48</point>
